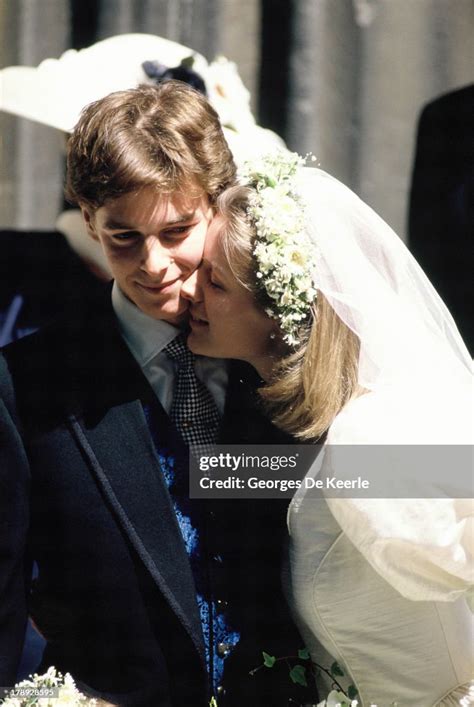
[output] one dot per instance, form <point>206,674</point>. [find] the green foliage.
<point>298,675</point>
<point>336,669</point>
<point>268,660</point>
<point>303,654</point>
<point>188,63</point>
<point>352,692</point>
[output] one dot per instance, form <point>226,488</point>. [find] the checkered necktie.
<point>193,410</point>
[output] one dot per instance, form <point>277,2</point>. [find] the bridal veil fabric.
<point>379,290</point>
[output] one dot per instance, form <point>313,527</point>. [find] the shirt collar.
<point>145,336</point>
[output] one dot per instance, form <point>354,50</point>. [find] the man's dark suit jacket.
<point>82,494</point>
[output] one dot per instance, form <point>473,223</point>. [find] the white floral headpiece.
<point>284,252</point>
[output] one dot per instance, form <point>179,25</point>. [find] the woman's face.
<point>225,320</point>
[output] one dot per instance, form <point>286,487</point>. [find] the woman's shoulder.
<point>372,418</point>
<point>410,416</point>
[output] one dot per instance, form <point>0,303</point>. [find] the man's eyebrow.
<point>117,225</point>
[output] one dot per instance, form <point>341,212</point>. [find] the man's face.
<point>152,243</point>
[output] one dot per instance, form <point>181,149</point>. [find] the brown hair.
<point>168,136</point>
<point>311,384</point>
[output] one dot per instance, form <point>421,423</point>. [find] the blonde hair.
<point>312,384</point>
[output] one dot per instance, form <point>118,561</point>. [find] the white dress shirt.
<point>147,337</point>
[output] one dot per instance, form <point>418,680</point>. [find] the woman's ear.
<point>88,216</point>
<point>278,348</point>
<point>275,336</point>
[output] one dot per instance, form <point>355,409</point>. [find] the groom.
<point>147,598</point>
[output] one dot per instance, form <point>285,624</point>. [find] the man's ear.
<point>88,215</point>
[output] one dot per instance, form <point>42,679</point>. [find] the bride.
<point>305,282</point>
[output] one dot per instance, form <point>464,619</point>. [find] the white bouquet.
<point>52,689</point>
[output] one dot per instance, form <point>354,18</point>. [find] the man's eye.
<point>126,236</point>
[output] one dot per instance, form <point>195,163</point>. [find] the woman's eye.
<point>215,285</point>
<point>176,232</point>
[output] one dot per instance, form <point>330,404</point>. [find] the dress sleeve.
<point>423,547</point>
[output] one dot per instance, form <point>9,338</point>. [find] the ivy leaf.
<point>268,660</point>
<point>298,675</point>
<point>303,654</point>
<point>352,692</point>
<point>336,669</point>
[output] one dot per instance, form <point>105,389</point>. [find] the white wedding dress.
<point>382,586</point>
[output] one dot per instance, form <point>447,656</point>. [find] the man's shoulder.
<point>31,360</point>
<point>52,344</point>
<point>52,372</point>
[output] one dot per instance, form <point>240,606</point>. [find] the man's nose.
<point>156,259</point>
<point>191,289</point>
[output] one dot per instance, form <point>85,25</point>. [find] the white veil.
<point>410,344</point>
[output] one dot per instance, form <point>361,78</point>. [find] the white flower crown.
<point>283,250</point>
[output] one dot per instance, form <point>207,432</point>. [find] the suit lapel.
<point>110,426</point>
<point>127,470</point>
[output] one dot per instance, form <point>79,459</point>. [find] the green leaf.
<point>268,660</point>
<point>352,692</point>
<point>298,675</point>
<point>303,653</point>
<point>188,63</point>
<point>336,669</point>
<point>213,702</point>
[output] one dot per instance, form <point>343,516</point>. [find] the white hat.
<point>55,92</point>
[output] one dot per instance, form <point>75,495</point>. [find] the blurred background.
<point>345,79</point>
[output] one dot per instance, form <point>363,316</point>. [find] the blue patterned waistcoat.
<point>219,636</point>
